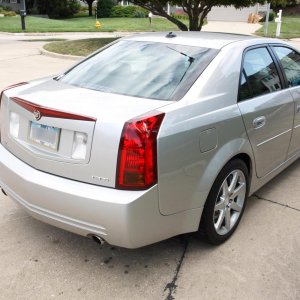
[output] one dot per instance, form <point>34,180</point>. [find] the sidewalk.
<point>295,42</point>
<point>229,27</point>
<point>232,27</point>
<point>60,35</point>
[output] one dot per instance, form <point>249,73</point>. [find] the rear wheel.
<point>226,202</point>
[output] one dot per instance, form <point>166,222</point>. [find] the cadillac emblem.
<point>37,114</point>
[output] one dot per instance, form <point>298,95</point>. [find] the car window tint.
<point>140,69</point>
<point>261,72</point>
<point>244,89</point>
<point>290,61</point>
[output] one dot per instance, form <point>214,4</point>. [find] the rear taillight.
<point>8,88</point>
<point>137,158</point>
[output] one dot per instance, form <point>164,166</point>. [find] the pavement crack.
<point>172,286</point>
<point>274,202</point>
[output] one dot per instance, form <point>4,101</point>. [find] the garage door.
<point>230,14</point>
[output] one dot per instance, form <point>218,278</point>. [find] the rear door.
<point>267,109</point>
<point>290,62</point>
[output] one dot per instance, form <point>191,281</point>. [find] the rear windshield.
<point>141,69</point>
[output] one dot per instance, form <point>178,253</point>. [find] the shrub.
<point>104,8</point>
<point>130,11</point>
<point>271,17</point>
<point>141,13</point>
<point>7,8</point>
<point>84,8</point>
<point>180,16</point>
<point>57,9</point>
<point>9,13</point>
<point>33,11</point>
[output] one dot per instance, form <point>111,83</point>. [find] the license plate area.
<point>44,135</point>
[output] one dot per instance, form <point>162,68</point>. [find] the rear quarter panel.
<point>187,166</point>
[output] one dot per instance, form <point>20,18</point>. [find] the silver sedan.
<point>153,136</point>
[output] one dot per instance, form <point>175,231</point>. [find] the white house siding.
<point>231,14</point>
<point>262,8</point>
<point>13,4</point>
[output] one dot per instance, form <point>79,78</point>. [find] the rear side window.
<point>260,75</point>
<point>290,61</point>
<point>245,92</point>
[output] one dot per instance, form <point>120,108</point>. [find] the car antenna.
<point>170,35</point>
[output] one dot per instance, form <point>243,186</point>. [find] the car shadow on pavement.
<point>40,258</point>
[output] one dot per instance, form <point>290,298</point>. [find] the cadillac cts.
<point>153,136</point>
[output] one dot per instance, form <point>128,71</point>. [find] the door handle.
<point>259,122</point>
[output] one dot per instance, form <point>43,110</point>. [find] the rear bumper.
<point>128,219</point>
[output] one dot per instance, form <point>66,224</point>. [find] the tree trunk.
<point>90,4</point>
<point>194,23</point>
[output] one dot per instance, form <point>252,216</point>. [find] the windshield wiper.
<point>191,59</point>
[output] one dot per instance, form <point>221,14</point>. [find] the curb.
<point>72,33</point>
<point>57,55</point>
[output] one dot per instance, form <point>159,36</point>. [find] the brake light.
<point>11,87</point>
<point>137,157</point>
<point>8,88</point>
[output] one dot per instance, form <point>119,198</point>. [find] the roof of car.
<point>215,40</point>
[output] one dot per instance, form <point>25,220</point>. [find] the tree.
<point>90,4</point>
<point>57,9</point>
<point>197,10</point>
<point>104,8</point>
<point>282,3</point>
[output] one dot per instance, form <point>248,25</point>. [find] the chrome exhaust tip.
<point>97,239</point>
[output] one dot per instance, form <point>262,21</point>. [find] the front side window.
<point>290,61</point>
<point>141,69</point>
<point>260,72</point>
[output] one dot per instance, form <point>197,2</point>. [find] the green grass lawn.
<point>290,28</point>
<point>78,47</point>
<point>34,24</point>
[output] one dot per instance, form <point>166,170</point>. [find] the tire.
<point>226,202</point>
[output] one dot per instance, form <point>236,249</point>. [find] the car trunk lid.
<point>68,131</point>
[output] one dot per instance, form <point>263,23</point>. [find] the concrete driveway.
<point>38,261</point>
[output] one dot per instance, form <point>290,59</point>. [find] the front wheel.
<point>226,202</point>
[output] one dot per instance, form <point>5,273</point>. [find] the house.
<point>15,5</point>
<point>222,13</point>
<point>232,14</point>
<point>229,13</point>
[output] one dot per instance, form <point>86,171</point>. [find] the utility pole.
<point>267,19</point>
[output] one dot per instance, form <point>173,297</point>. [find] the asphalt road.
<point>38,261</point>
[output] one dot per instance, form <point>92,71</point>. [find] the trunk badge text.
<point>37,114</point>
<point>102,179</point>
